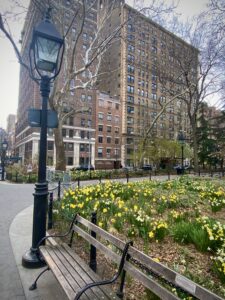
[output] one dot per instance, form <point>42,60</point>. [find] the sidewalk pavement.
<point>20,237</point>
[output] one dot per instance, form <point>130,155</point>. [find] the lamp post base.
<point>32,260</point>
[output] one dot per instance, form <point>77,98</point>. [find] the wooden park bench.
<point>80,281</point>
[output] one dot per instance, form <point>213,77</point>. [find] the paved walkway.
<point>13,198</point>
<point>15,227</point>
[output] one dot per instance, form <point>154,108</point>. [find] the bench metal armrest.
<point>58,235</point>
<point>110,281</point>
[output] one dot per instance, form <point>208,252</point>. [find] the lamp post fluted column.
<point>182,158</point>
<point>31,258</point>
<point>3,165</point>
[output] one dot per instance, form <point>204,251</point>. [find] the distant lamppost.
<point>46,54</point>
<point>181,139</point>
<point>116,153</point>
<point>4,149</point>
<point>89,153</point>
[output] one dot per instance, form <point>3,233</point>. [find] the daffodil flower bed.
<point>153,211</point>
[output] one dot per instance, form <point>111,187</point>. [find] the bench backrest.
<point>139,264</point>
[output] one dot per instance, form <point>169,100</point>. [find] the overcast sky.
<point>9,67</point>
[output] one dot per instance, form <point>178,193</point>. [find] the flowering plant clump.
<point>219,262</point>
<point>215,231</point>
<point>216,198</point>
<point>159,230</point>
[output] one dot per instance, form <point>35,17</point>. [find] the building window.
<point>130,28</point>
<point>100,152</point>
<point>130,58</point>
<point>71,121</point>
<point>82,147</point>
<point>109,129</point>
<point>64,132</point>
<point>131,48</point>
<point>130,37</point>
<point>50,145</point>
<point>116,129</point>
<point>109,117</point>
<point>130,130</point>
<point>84,46</point>
<point>101,103</point>
<point>154,49</point>
<point>82,122</point>
<point>130,89</point>
<point>100,116</point>
<point>100,139</point>
<point>82,134</point>
<point>89,123</point>
<point>130,120</point>
<point>85,36</point>
<point>108,140</point>
<point>108,153</point>
<point>117,120</point>
<point>130,109</point>
<point>70,161</point>
<point>154,96</point>
<point>130,69</point>
<point>70,146</point>
<point>154,86</point>
<point>116,141</point>
<point>100,127</point>
<point>130,78</point>
<point>117,106</point>
<point>130,99</point>
<point>71,133</point>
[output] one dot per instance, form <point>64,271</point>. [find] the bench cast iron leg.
<point>34,285</point>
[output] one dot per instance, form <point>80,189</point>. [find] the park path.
<point>13,199</point>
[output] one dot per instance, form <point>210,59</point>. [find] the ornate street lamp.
<point>46,54</point>
<point>4,149</point>
<point>181,139</point>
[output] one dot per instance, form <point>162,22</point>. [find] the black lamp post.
<point>46,53</point>
<point>181,139</point>
<point>4,149</point>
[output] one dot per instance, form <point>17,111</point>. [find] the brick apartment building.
<point>108,132</point>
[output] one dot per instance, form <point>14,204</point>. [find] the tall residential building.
<point>146,69</point>
<point>11,122</point>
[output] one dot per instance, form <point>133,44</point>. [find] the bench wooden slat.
<point>172,276</point>
<point>66,276</point>
<point>84,271</point>
<point>77,274</point>
<point>107,292</point>
<point>146,280</point>
<point>57,272</point>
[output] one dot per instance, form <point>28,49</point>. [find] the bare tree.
<point>209,77</point>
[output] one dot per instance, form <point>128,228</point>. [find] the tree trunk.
<point>60,150</point>
<point>195,146</point>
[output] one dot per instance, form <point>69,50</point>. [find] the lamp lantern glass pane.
<point>46,53</point>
